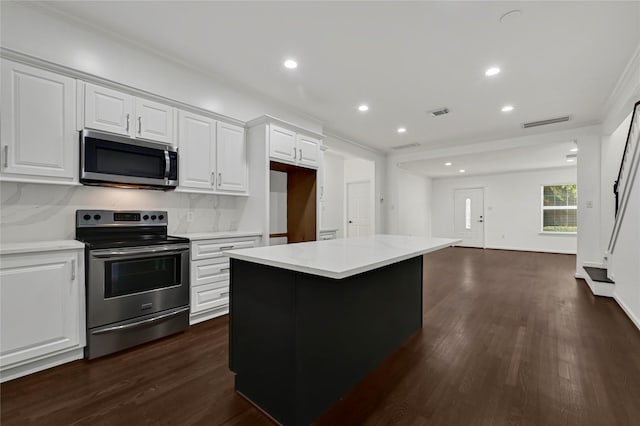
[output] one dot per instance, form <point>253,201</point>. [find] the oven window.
<point>138,275</point>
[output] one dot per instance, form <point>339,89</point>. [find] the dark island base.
<point>299,342</point>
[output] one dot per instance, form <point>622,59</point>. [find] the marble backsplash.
<point>36,212</point>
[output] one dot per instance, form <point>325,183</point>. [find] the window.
<point>467,213</point>
<point>559,208</point>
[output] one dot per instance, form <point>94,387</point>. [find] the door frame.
<point>372,209</point>
<point>484,210</point>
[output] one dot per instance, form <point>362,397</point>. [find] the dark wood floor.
<point>508,338</point>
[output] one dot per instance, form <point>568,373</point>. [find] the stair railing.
<point>626,174</point>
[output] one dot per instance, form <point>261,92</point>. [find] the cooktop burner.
<point>100,229</point>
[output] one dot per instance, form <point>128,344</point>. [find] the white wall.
<point>353,150</point>
<point>512,209</point>
<point>332,202</point>
<point>32,212</point>
<point>278,202</point>
<point>408,202</point>
<point>611,155</point>
<point>37,31</point>
<point>626,258</point>
<point>589,196</point>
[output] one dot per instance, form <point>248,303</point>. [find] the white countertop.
<point>342,258</point>
<point>221,234</point>
<point>39,246</point>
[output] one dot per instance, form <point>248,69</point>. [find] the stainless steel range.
<point>137,278</point>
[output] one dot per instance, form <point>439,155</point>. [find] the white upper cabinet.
<point>308,151</point>
<point>39,139</point>
<point>289,147</point>
<point>212,155</point>
<point>282,144</point>
<point>108,110</point>
<point>197,152</point>
<point>154,121</point>
<point>124,114</point>
<point>231,158</point>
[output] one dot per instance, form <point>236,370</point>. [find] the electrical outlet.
<point>190,216</point>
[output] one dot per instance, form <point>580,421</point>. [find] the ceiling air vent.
<point>545,122</point>
<point>439,112</point>
<point>409,145</point>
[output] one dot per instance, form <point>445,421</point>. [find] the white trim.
<point>593,264</point>
<point>493,247</point>
<point>330,133</point>
<point>635,320</point>
<point>90,78</point>
<point>269,119</point>
<point>557,233</point>
<point>623,96</point>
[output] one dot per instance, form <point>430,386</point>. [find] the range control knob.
<point>97,217</point>
<point>145,217</point>
<point>153,217</point>
<point>161,217</point>
<point>87,217</point>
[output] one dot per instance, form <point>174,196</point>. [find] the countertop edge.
<point>39,246</point>
<point>196,236</point>
<point>340,274</point>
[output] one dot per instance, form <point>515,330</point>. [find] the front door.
<point>469,216</point>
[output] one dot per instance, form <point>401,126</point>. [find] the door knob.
<point>350,221</point>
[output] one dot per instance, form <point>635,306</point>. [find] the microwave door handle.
<point>167,164</point>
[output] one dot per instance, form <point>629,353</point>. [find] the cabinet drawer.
<point>205,271</point>
<point>209,296</point>
<point>207,249</point>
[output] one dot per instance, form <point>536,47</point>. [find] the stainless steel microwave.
<point>111,160</point>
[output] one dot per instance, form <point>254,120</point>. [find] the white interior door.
<point>469,216</point>
<point>358,209</point>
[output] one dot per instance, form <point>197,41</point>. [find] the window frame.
<point>542,209</point>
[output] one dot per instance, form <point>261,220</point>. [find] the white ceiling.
<point>538,157</point>
<point>402,58</point>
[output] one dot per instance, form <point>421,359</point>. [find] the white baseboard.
<point>530,249</point>
<point>627,311</point>
<point>207,315</point>
<point>597,288</point>
<point>41,364</point>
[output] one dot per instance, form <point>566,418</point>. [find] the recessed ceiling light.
<point>492,71</point>
<point>401,130</point>
<point>291,64</point>
<point>574,149</point>
<point>363,108</point>
<point>447,164</point>
<point>570,160</point>
<point>461,170</point>
<point>507,108</point>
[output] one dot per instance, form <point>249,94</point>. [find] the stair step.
<point>598,274</point>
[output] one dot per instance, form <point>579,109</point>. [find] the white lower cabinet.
<point>42,316</point>
<point>210,275</point>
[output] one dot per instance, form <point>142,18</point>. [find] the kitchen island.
<point>310,320</point>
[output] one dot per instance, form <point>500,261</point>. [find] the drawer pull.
<point>226,248</point>
<point>225,294</point>
<point>224,269</point>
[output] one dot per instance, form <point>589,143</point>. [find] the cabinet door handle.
<point>73,269</point>
<point>300,149</point>
<point>219,179</point>
<point>6,156</point>
<point>139,125</point>
<point>225,269</point>
<point>294,153</point>
<point>128,122</point>
<point>213,178</point>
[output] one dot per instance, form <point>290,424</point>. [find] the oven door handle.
<point>105,254</point>
<point>140,323</point>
